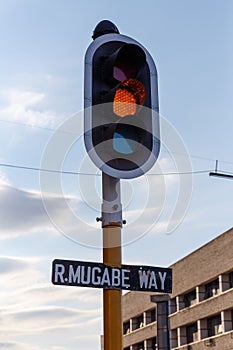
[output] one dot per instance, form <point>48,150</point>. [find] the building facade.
<point>200,306</point>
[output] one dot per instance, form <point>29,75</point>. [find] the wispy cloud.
<point>43,318</point>
<point>22,211</point>
<point>25,107</point>
<point>12,265</point>
<point>11,345</point>
<point>30,311</point>
<point>20,346</point>
<point>17,275</point>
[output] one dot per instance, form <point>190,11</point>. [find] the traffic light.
<point>121,119</point>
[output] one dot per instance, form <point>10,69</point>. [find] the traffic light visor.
<point>124,63</point>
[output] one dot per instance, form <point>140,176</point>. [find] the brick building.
<point>200,306</point>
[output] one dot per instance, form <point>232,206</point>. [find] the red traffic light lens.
<point>129,95</point>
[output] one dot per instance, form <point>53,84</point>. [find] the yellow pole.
<point>112,298</point>
<point>111,224</point>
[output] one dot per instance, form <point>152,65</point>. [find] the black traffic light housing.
<point>121,117</point>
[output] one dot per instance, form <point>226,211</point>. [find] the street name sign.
<point>98,275</point>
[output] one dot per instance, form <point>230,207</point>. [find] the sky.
<point>169,213</point>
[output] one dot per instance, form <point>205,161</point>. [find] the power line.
<point>26,125</point>
<point>37,126</point>
<point>72,133</point>
<point>183,173</point>
<point>198,157</point>
<point>22,167</point>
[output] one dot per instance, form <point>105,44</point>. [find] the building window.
<point>173,339</point>
<point>139,346</point>
<point>191,333</point>
<point>212,288</point>
<point>173,306</point>
<point>231,279</point>
<point>190,298</point>
<point>150,316</point>
<point>214,325</point>
<point>231,319</point>
<point>126,327</point>
<point>151,344</point>
<point>137,322</point>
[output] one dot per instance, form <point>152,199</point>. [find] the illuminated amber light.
<point>130,94</point>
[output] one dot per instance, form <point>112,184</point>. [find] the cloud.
<point>17,275</point>
<point>46,293</point>
<point>45,319</point>
<point>3,179</point>
<point>11,345</point>
<point>25,107</point>
<point>22,212</point>
<point>27,282</point>
<point>31,311</point>
<point>19,346</point>
<point>42,317</point>
<point>12,265</point>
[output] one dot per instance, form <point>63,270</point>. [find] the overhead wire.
<point>22,167</point>
<point>79,173</point>
<point>45,170</point>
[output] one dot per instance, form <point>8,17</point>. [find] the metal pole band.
<point>111,206</point>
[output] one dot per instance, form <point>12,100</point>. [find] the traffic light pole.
<point>120,79</point>
<point>111,224</point>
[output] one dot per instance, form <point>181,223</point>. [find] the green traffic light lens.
<point>125,139</point>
